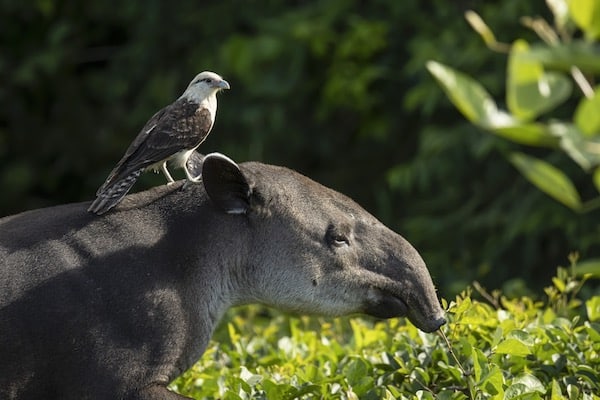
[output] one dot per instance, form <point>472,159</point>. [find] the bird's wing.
<point>181,125</point>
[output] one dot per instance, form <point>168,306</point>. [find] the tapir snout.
<point>410,292</point>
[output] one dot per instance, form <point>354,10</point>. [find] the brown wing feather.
<point>179,126</point>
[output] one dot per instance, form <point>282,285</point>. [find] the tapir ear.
<point>225,184</point>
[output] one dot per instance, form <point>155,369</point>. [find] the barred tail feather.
<point>111,196</point>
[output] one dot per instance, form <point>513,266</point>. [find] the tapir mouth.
<point>390,305</point>
<point>387,305</point>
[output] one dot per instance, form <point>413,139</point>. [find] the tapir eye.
<point>336,237</point>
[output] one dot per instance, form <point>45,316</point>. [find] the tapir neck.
<point>209,261</point>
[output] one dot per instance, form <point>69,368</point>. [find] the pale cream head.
<point>204,85</point>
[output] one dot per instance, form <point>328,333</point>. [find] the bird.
<point>170,135</point>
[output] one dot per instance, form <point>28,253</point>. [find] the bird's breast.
<point>177,160</point>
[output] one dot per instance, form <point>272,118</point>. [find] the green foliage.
<point>501,349</point>
<point>537,83</point>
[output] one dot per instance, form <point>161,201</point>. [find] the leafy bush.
<point>493,349</point>
<point>549,113</point>
<point>539,78</point>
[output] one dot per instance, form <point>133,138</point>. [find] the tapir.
<point>117,306</point>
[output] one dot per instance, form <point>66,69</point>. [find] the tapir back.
<point>76,291</point>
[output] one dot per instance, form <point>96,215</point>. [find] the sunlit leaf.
<point>480,364</point>
<point>475,103</point>
<point>493,383</point>
<point>596,178</point>
<point>513,347</point>
<point>587,373</point>
<point>586,14</point>
<point>583,151</point>
<point>248,377</point>
<point>530,91</point>
<point>591,266</point>
<point>532,383</point>
<point>559,284</point>
<point>548,179</point>
<point>521,392</point>
<point>531,134</point>
<point>470,97</point>
<point>592,307</point>
<point>556,392</point>
<point>563,56</point>
<point>587,115</point>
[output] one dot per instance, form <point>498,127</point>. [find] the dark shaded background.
<point>335,89</point>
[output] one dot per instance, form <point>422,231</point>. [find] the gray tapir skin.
<point>117,306</point>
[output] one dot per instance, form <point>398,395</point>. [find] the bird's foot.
<point>191,182</point>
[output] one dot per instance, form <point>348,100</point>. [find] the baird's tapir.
<point>117,306</point>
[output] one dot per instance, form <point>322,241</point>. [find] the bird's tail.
<point>110,196</point>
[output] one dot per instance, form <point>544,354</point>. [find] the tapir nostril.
<point>440,322</point>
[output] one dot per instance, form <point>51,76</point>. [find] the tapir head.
<point>314,250</point>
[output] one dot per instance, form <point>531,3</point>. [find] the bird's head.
<point>204,85</point>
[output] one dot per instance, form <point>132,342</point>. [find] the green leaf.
<point>586,14</point>
<point>532,383</point>
<point>592,307</point>
<point>548,179</point>
<point>480,364</point>
<point>356,370</point>
<point>476,104</point>
<point>589,374</point>
<point>493,383</point>
<point>581,150</point>
<point>277,391</point>
<point>559,284</point>
<point>587,117</point>
<point>574,392</point>
<point>248,377</point>
<point>596,178</point>
<point>562,57</point>
<point>531,134</point>
<point>556,392</point>
<point>513,347</point>
<point>530,90</point>
<point>471,99</point>
<point>591,266</point>
<point>520,391</point>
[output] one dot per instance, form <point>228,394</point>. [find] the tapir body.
<point>117,306</point>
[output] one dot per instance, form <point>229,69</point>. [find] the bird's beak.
<point>223,84</point>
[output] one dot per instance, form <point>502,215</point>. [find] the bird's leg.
<point>166,173</point>
<point>189,176</point>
